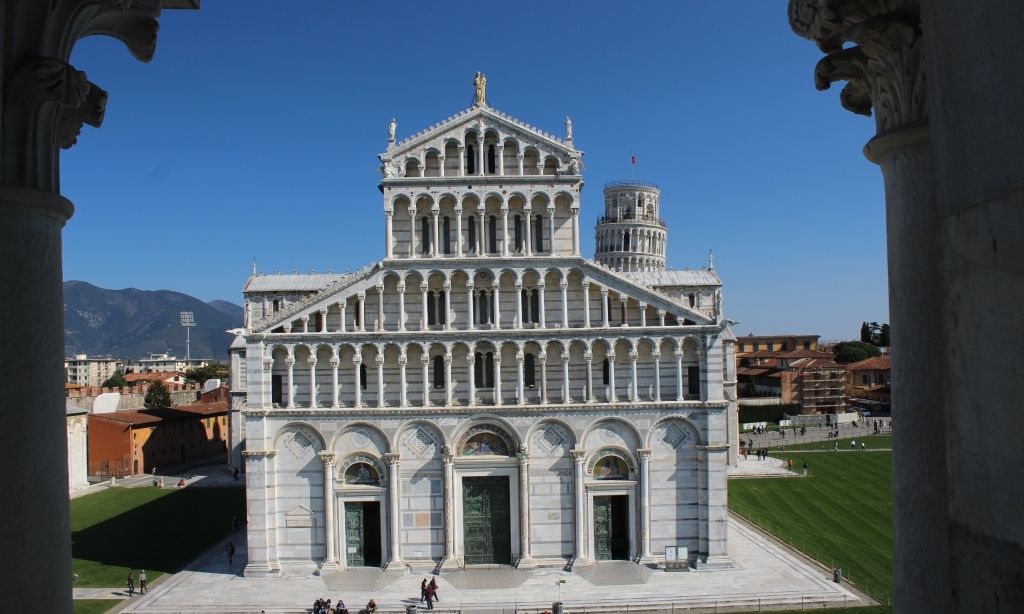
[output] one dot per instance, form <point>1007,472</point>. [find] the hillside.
<point>132,323</point>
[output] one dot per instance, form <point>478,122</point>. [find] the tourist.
<point>835,447</point>
<point>861,446</point>
<point>789,464</point>
<point>805,470</point>
<point>433,588</point>
<point>142,582</point>
<point>236,474</point>
<point>371,606</point>
<point>340,607</point>
<point>853,443</point>
<point>230,550</point>
<point>430,596</point>
<point>423,590</point>
<point>131,583</point>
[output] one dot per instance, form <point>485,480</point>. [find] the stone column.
<point>661,317</point>
<point>447,286</point>
<point>331,560</point>
<point>578,456</point>
<point>497,377</point>
<point>589,357</point>
<point>394,515</point>
<point>462,160</point>
<point>625,311</point>
<point>387,232</point>
<point>305,323</point>
<point>632,381</point>
<point>401,306</point>
<point>448,460</point>
<point>519,162</point>
<point>480,156</point>
<point>290,363</point>
<point>427,384</point>
<point>440,161</point>
<point>645,505</point>
<point>551,229</point>
<point>412,231</point>
<point>566,392</point>
<point>470,325</point>
<point>504,230</point>
<point>643,314</point>
<point>575,230</point>
<point>586,303</point>
<point>341,307</point>
<point>470,363</point>
<point>604,307</point>
<point>564,287</point>
<point>448,379</point>
<point>525,555</point>
<point>656,355</point>
<point>335,389</point>
<point>612,396</point>
<point>527,234</point>
<point>380,307</point>
<point>356,361</point>
<point>520,389</point>
<point>458,231</point>
<point>436,239</point>
<point>403,360</point>
<point>543,358</point>
<point>541,306</point>
<point>497,304</point>
<point>679,375</point>
<point>362,311</point>
<point>323,321</point>
<point>500,153</point>
<point>519,304</point>
<point>380,376</point>
<point>312,381</point>
<point>423,307</point>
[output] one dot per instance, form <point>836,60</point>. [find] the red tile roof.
<point>879,363</point>
<point>141,417</point>
<point>152,376</point>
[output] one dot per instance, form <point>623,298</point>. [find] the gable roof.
<point>879,363</point>
<point>291,282</point>
<point>686,277</point>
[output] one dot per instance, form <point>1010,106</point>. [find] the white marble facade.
<point>482,369</point>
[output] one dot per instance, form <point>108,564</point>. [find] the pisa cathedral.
<point>484,394</point>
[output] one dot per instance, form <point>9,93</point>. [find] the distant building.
<point>807,378</point>
<point>165,362</point>
<point>135,441</point>
<point>870,383</point>
<point>775,343</point>
<point>77,430</point>
<point>80,370</point>
<point>167,377</point>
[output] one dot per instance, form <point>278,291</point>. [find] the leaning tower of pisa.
<point>631,236</point>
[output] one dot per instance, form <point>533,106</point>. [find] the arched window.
<point>604,372</point>
<point>483,374</point>
<point>483,312</point>
<point>425,235</point>
<point>362,375</point>
<point>438,372</point>
<point>470,159</point>
<point>489,375</point>
<point>446,242</point>
<point>492,235</point>
<point>431,307</point>
<point>693,381</point>
<point>529,368</point>
<point>355,316</point>
<point>442,313</point>
<point>471,233</point>
<point>491,160</point>
<point>535,306</point>
<point>478,371</point>
<point>625,240</point>
<point>693,299</point>
<point>517,233</point>
<point>538,234</point>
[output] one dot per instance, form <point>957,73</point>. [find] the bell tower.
<point>631,235</point>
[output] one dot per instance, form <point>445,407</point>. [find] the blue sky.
<point>254,133</point>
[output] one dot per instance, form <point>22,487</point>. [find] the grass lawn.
<point>841,515</point>
<point>150,528</point>
<point>93,606</point>
<point>871,442</point>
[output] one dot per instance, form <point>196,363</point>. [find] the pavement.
<point>767,468</point>
<point>763,574</point>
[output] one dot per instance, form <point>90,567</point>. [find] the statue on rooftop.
<point>391,129</point>
<point>568,128</point>
<point>480,90</point>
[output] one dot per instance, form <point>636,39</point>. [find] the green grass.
<point>872,442</point>
<point>93,606</point>
<point>155,529</point>
<point>841,515</point>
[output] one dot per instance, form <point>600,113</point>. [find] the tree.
<point>157,396</point>
<point>865,333</point>
<point>115,381</point>
<point>199,375</point>
<point>853,351</point>
<point>883,336</point>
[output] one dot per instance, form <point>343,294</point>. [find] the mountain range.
<point>132,323</point>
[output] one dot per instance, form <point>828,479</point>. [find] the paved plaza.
<point>765,574</point>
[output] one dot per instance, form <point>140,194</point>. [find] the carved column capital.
<point>644,454</point>
<point>447,457</point>
<point>578,455</point>
<point>883,67</point>
<point>327,458</point>
<point>393,458</point>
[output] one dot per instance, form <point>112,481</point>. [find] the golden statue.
<point>480,85</point>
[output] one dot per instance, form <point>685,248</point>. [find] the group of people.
<point>131,582</point>
<point>745,450</point>
<point>323,606</point>
<point>428,592</point>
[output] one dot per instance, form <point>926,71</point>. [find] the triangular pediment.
<point>479,118</point>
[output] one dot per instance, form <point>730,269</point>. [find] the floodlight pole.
<point>188,320</point>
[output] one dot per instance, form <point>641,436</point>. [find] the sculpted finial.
<point>391,130</point>
<point>480,90</point>
<point>568,128</point>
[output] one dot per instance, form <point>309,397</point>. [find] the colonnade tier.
<point>538,372</point>
<point>632,264</point>
<point>479,224</point>
<point>484,299</point>
<point>631,240</point>
<point>478,153</point>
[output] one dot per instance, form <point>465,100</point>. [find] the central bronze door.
<point>611,528</point>
<point>362,534</point>
<point>486,526</point>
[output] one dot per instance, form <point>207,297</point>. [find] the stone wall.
<point>133,397</point>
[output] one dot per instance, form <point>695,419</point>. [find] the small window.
<point>538,234</point>
<point>492,235</point>
<point>535,307</point>
<point>693,380</point>
<point>362,376</point>
<point>483,373</point>
<point>438,372</point>
<point>529,371</point>
<point>604,372</point>
<point>425,235</point>
<point>471,234</point>
<point>491,160</point>
<point>470,160</point>
<point>517,233</point>
<point>446,240</point>
<point>432,307</point>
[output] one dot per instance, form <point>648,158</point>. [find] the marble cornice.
<point>502,410</point>
<point>475,181</point>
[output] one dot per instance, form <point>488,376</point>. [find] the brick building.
<point>808,378</point>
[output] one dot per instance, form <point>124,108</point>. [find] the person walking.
<point>805,470</point>
<point>432,587</point>
<point>423,590</point>
<point>430,594</point>
<point>131,583</point>
<point>142,582</point>
<point>230,550</point>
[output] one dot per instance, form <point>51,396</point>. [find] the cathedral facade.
<point>484,394</point>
